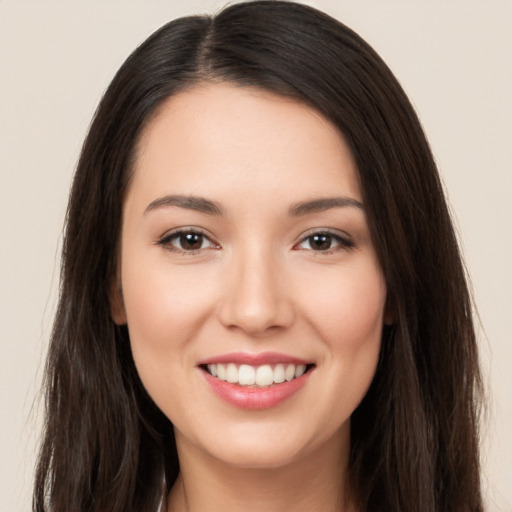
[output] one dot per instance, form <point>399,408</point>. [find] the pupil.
<point>191,241</point>
<point>321,242</point>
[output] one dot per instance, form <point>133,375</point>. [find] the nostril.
<point>255,319</point>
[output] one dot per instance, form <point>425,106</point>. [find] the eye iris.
<point>191,241</point>
<point>320,242</point>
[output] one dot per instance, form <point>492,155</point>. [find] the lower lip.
<point>255,398</point>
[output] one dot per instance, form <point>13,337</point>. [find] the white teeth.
<point>262,376</point>
<point>289,372</point>
<point>246,375</point>
<point>279,374</point>
<point>232,373</point>
<point>301,368</point>
<point>212,368</point>
<point>221,372</point>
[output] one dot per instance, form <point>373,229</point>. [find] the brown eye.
<point>190,241</point>
<point>325,242</point>
<point>320,242</point>
<point>187,241</point>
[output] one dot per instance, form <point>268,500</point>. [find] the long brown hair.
<point>414,444</point>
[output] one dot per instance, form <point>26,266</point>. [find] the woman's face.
<point>246,260</point>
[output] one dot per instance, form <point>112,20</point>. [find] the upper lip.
<point>254,359</point>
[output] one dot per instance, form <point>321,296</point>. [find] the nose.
<point>256,298</point>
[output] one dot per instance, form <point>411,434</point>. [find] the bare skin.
<point>308,485</point>
<point>244,232</point>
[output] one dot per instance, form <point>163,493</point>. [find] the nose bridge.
<point>255,297</point>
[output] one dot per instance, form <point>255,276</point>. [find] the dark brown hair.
<point>414,445</point>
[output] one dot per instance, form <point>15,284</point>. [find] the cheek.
<point>164,310</point>
<point>347,306</point>
<point>347,314</point>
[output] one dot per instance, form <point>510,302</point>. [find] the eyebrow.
<point>323,204</point>
<point>199,204</point>
<point>209,207</point>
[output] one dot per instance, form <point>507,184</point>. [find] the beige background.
<point>454,58</point>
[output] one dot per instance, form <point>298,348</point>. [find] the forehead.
<point>215,138</point>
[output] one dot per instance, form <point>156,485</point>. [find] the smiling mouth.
<point>262,376</point>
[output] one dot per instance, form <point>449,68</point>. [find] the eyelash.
<point>168,238</point>
<point>343,243</point>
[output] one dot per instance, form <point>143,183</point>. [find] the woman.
<point>263,305</point>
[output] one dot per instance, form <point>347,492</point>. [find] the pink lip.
<point>255,398</point>
<point>254,359</point>
<point>245,397</point>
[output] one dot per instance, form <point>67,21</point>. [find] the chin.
<point>256,456</point>
<point>271,446</point>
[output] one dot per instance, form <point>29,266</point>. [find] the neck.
<point>316,482</point>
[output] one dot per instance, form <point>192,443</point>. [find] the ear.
<point>117,309</point>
